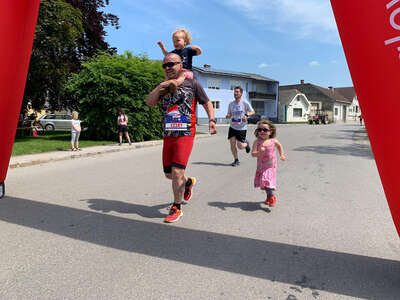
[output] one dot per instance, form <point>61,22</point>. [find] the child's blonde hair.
<point>74,114</point>
<point>186,34</point>
<point>270,125</point>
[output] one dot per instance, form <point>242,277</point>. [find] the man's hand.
<point>212,128</point>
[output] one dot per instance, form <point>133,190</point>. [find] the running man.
<point>179,124</point>
<point>238,111</point>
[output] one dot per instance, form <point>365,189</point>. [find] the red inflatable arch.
<point>17,28</point>
<point>370,33</point>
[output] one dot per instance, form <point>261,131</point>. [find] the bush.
<point>110,82</point>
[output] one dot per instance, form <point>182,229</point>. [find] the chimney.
<point>302,81</point>
<point>207,66</point>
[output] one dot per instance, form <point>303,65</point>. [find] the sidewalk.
<point>46,157</point>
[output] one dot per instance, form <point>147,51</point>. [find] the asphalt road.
<point>92,228</point>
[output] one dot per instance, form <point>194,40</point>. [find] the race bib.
<point>176,123</point>
<point>236,121</point>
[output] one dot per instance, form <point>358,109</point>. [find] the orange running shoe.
<point>174,215</point>
<point>188,189</point>
<point>271,200</point>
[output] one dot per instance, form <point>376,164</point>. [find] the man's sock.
<point>178,205</point>
<point>189,182</point>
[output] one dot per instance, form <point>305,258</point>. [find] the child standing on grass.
<point>264,150</point>
<point>181,39</point>
<point>75,131</point>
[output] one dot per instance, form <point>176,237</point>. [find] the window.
<point>298,98</point>
<point>216,104</point>
<point>214,84</point>
<point>247,86</point>
<point>49,117</point>
<point>235,83</point>
<point>258,107</point>
<point>297,112</point>
<point>336,111</point>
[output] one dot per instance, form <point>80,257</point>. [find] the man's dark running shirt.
<point>186,55</point>
<point>179,109</point>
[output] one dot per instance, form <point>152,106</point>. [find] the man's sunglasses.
<point>263,129</point>
<point>170,64</point>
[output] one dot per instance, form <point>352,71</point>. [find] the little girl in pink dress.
<point>264,150</point>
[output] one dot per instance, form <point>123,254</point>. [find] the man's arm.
<point>208,107</point>
<point>154,95</point>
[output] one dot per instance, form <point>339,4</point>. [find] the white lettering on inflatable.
<point>393,2</point>
<point>393,23</point>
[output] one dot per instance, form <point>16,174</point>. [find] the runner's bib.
<point>175,121</point>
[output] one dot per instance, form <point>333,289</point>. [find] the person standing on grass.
<point>238,111</point>
<point>75,131</point>
<point>179,127</point>
<point>123,126</point>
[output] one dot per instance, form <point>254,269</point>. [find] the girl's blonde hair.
<point>74,114</point>
<point>270,125</point>
<point>186,34</point>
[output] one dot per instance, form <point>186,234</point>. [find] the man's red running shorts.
<point>176,152</point>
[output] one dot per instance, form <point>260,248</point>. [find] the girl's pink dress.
<point>266,166</point>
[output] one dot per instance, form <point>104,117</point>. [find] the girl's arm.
<point>164,51</point>
<point>280,149</point>
<point>254,151</point>
<point>197,49</point>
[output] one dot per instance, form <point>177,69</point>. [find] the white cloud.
<point>311,19</point>
<point>314,63</point>
<point>263,65</point>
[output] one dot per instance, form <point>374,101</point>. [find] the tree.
<point>94,20</point>
<point>66,35</point>
<point>110,82</point>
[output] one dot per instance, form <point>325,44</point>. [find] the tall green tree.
<point>68,32</point>
<point>55,46</point>
<point>94,20</point>
<point>110,82</point>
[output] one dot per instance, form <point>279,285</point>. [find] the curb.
<point>134,146</point>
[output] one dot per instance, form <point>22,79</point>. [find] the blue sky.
<point>287,40</point>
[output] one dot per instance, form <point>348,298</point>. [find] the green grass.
<point>51,141</point>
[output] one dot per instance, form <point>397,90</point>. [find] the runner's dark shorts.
<point>176,152</point>
<point>240,135</point>
<point>123,128</point>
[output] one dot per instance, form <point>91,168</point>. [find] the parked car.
<point>255,118</point>
<point>55,122</point>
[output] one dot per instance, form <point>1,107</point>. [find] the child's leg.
<point>77,140</point>
<point>120,137</point>
<point>72,140</point>
<point>269,191</point>
<point>127,137</point>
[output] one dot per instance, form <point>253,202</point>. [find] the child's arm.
<point>197,49</point>
<point>164,51</point>
<point>280,150</point>
<point>181,78</point>
<point>255,152</point>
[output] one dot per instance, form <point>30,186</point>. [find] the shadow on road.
<point>246,206</point>
<point>303,267</point>
<point>211,164</point>
<point>354,150</point>
<point>127,208</point>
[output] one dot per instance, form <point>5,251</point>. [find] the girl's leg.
<point>269,191</point>
<point>127,137</point>
<point>120,138</point>
<point>77,140</point>
<point>271,199</point>
<point>72,140</point>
